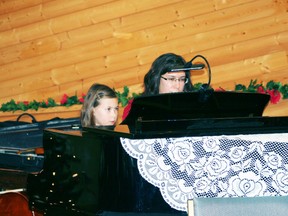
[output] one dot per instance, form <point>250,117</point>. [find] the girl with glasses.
<point>160,79</point>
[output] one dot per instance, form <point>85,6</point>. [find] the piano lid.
<point>196,105</point>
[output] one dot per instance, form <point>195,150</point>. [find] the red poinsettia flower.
<point>220,89</point>
<point>64,99</point>
<point>261,89</point>
<point>81,100</point>
<point>26,103</point>
<point>275,96</point>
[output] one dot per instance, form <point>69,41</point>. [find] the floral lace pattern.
<point>213,166</point>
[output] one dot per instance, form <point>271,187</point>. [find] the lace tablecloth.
<point>213,166</point>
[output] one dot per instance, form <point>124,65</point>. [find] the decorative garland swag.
<point>276,90</point>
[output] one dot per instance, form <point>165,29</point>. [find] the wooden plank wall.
<point>52,47</point>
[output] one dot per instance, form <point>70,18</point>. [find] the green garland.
<point>276,90</point>
<point>66,101</point>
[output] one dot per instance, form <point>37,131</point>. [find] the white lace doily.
<point>213,166</point>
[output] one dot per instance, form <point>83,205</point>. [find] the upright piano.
<point>174,147</point>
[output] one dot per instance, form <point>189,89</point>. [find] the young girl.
<point>100,107</point>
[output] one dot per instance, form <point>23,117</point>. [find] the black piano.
<point>88,172</point>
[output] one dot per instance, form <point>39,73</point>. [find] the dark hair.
<point>163,64</point>
<point>95,93</point>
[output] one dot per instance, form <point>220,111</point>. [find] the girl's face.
<point>106,113</point>
<point>172,82</point>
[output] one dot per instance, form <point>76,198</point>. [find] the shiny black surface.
<point>91,174</point>
<point>195,105</point>
<point>210,126</point>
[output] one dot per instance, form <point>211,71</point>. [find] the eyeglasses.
<point>182,80</point>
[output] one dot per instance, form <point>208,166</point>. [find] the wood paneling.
<point>52,47</point>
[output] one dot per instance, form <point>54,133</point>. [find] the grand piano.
<point>173,147</point>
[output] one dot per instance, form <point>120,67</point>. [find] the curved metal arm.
<point>207,63</point>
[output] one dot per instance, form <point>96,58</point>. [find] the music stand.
<point>195,105</point>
